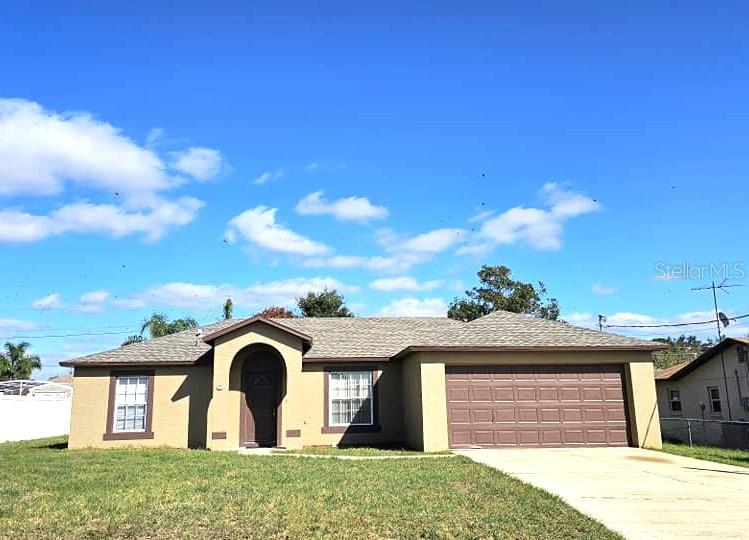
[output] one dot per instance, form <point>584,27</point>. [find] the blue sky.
<point>160,158</point>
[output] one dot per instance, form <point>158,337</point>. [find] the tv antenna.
<point>720,317</point>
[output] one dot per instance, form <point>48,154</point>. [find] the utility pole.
<point>601,320</point>
<point>723,288</point>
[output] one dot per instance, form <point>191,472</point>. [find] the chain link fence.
<point>706,432</point>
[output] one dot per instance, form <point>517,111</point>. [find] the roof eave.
<point>703,358</point>
<point>306,339</point>
<point>554,348</point>
<point>73,363</point>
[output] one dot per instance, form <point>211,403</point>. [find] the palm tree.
<point>228,309</point>
<point>158,325</point>
<point>16,364</point>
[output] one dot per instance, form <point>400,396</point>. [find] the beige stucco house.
<point>428,383</point>
<point>713,389</point>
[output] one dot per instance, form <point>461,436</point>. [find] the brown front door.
<point>261,386</point>
<point>542,406</point>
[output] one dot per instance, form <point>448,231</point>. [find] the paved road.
<point>639,493</point>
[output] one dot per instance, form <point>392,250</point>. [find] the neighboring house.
<point>714,387</point>
<point>64,379</point>
<point>52,390</point>
<point>34,409</point>
<point>430,383</point>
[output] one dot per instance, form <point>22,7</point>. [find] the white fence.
<point>29,417</point>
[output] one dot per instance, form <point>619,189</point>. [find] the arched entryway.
<point>262,389</point>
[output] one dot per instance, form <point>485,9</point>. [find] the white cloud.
<point>15,325</point>
<point>540,228</point>
<point>94,297</point>
<point>155,137</point>
<point>51,301</point>
<point>347,209</point>
<point>603,290</point>
<point>414,307</point>
<point>312,167</point>
<point>17,226</point>
<point>390,265</point>
<point>479,249</point>
<point>41,150</point>
<point>206,296</point>
<point>403,283</point>
<point>267,176</point>
<point>480,216</point>
<point>433,241</point>
<point>200,163</point>
<point>258,226</point>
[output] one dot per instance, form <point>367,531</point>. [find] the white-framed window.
<point>674,400</point>
<point>131,403</point>
<point>713,393</point>
<point>350,398</point>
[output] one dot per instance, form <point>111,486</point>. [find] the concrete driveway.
<point>638,493</point>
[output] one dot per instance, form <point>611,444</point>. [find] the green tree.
<point>228,309</point>
<point>498,291</point>
<point>323,304</point>
<point>158,325</point>
<point>682,349</point>
<point>275,312</point>
<point>15,363</point>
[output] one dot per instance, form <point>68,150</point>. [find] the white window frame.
<point>671,401</point>
<point>713,400</point>
<point>331,392</point>
<point>123,400</point>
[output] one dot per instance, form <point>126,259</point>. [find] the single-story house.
<point>429,383</point>
<point>713,389</point>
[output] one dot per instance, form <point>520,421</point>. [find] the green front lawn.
<point>360,451</point>
<point>709,453</point>
<point>49,491</point>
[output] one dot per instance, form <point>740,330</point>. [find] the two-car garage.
<point>536,406</point>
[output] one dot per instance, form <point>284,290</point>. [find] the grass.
<point>729,456</point>
<point>362,451</point>
<point>51,492</point>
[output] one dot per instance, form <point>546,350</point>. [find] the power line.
<point>712,321</point>
<point>70,335</point>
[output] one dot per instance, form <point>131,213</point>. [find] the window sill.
<point>351,429</point>
<point>128,436</point>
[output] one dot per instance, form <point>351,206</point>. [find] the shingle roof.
<point>679,370</point>
<point>382,337</point>
<point>666,373</point>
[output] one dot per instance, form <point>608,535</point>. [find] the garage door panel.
<point>550,416</point>
<point>459,393</point>
<point>548,393</point>
<point>592,393</point>
<point>482,416</point>
<point>525,393</point>
<point>459,416</point>
<point>505,438</point>
<point>504,414</point>
<point>615,414</point>
<point>504,393</point>
<point>551,437</point>
<point>593,414</point>
<point>613,393</point>
<point>537,406</point>
<point>526,414</point>
<point>570,393</point>
<point>480,393</point>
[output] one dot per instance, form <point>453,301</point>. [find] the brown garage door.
<point>536,406</point>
